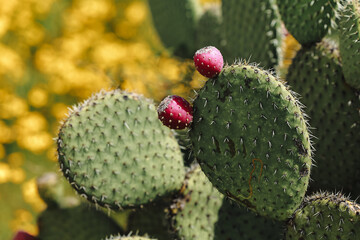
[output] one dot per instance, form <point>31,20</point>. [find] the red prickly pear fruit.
<point>208,61</point>
<point>21,235</point>
<point>175,112</point>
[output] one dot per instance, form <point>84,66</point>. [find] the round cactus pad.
<point>251,140</point>
<point>115,152</point>
<point>325,216</point>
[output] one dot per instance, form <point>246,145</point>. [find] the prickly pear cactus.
<point>325,216</point>
<point>349,26</point>
<point>81,222</point>
<point>250,137</point>
<point>317,76</point>
<point>308,21</point>
<point>115,152</point>
<point>246,26</point>
<point>175,22</point>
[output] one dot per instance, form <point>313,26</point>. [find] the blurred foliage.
<point>53,54</point>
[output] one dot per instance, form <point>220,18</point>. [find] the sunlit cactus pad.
<point>115,152</point>
<point>81,223</point>
<point>325,216</point>
<point>251,139</point>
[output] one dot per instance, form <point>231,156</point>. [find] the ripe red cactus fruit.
<point>175,112</point>
<point>21,235</point>
<point>208,61</point>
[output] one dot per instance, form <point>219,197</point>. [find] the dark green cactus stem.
<point>115,152</point>
<point>349,25</point>
<point>308,20</point>
<point>175,22</point>
<point>325,216</point>
<point>251,30</point>
<point>151,220</point>
<point>317,76</point>
<point>250,137</point>
<point>81,223</point>
<point>208,31</point>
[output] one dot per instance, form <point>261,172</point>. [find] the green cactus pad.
<point>325,216</point>
<point>175,22</point>
<point>195,212</point>
<point>81,223</point>
<point>251,31</point>
<point>208,31</point>
<point>250,137</point>
<point>350,42</point>
<point>307,20</point>
<point>203,213</point>
<point>115,152</point>
<point>333,108</point>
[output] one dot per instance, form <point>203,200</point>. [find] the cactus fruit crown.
<point>113,145</point>
<point>250,137</point>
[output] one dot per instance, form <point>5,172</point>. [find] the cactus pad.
<point>208,32</point>
<point>308,21</point>
<point>333,107</point>
<point>203,213</point>
<point>325,216</point>
<point>195,212</point>
<point>350,42</point>
<point>251,31</point>
<point>250,137</point>
<point>115,152</point>
<point>175,23</point>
